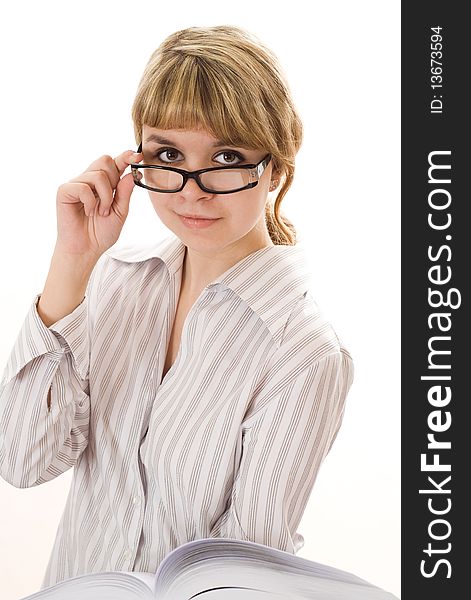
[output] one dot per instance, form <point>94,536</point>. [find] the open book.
<point>220,569</point>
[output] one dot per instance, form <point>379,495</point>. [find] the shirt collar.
<point>269,280</point>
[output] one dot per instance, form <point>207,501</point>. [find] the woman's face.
<point>239,218</point>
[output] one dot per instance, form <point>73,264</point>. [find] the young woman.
<point>194,384</point>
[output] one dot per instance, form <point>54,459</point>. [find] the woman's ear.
<point>275,179</point>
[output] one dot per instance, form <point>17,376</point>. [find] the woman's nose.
<point>192,188</point>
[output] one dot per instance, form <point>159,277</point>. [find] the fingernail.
<point>106,213</point>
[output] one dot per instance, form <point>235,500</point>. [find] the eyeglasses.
<point>215,180</point>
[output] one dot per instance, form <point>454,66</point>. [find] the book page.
<point>240,594</point>
<point>147,578</point>
<point>106,585</point>
<point>207,566</point>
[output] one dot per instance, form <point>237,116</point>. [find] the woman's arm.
<point>285,439</point>
<point>44,394</point>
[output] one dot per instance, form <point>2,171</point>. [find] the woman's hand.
<point>92,208</point>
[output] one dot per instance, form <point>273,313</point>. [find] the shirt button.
<point>136,500</point>
<point>127,554</point>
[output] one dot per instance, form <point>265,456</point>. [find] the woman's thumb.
<point>123,194</point>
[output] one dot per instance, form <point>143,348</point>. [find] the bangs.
<point>192,94</point>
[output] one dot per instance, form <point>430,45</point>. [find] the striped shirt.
<point>227,444</point>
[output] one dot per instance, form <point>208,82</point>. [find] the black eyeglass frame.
<point>257,169</point>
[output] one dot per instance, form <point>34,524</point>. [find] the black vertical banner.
<point>436,268</point>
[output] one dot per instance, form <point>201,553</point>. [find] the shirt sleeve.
<point>284,441</point>
<point>39,441</point>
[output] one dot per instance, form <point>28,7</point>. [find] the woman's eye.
<point>168,153</point>
<point>231,156</point>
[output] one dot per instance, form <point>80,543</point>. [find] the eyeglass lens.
<point>223,180</point>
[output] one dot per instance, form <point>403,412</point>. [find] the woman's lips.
<point>196,223</point>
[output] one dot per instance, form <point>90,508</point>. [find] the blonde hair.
<point>224,80</point>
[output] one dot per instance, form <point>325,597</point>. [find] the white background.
<point>69,75</point>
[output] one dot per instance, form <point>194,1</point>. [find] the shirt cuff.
<point>69,334</point>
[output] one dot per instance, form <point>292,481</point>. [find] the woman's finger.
<point>125,159</point>
<point>101,187</point>
<point>114,167</point>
